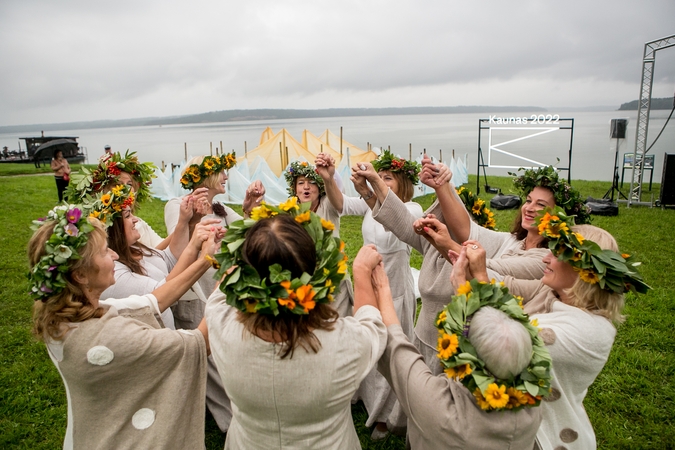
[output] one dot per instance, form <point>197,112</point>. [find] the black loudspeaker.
<point>618,128</point>
<point>667,197</point>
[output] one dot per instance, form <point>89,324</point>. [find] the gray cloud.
<point>84,60</point>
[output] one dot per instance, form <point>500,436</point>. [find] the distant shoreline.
<point>267,114</point>
<point>245,115</point>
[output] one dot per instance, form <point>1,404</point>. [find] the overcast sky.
<point>73,60</point>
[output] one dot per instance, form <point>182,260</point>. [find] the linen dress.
<point>579,343</point>
<point>127,283</point>
<point>434,278</point>
<point>375,392</point>
<point>130,383</point>
<point>298,402</point>
<point>442,413</point>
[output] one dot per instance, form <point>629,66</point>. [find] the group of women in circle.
<point>256,318</point>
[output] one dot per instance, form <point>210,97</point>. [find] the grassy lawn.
<point>630,404</point>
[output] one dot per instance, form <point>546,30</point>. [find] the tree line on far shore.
<point>657,103</point>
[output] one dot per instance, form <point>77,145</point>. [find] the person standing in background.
<point>61,170</point>
<point>108,151</point>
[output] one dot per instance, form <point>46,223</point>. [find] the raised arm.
<point>454,212</point>
<point>325,167</point>
<point>364,264</point>
<point>255,193</point>
<point>181,234</point>
<point>174,288</point>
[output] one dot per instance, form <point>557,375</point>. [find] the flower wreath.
<point>47,277</point>
<point>196,173</point>
<point>388,161</point>
<point>89,182</point>
<point>612,271</point>
<point>278,293</point>
<point>461,362</point>
<point>108,205</point>
<point>565,195</point>
<point>480,213</point>
<point>303,169</point>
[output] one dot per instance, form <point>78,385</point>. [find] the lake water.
<point>593,151</point>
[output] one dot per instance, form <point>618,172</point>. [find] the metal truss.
<point>643,116</point>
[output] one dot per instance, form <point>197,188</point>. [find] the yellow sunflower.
<point>516,397</point>
<point>588,276</point>
<point>302,218</point>
<point>496,396</point>
<point>464,289</point>
<point>458,372</point>
<point>327,225</point>
<point>261,212</point>
<point>291,203</point>
<point>482,403</point>
<point>106,199</point>
<point>447,345</point>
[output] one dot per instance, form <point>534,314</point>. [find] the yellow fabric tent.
<point>278,151</point>
<point>315,145</point>
<point>356,155</point>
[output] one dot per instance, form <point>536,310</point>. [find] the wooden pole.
<point>410,152</point>
<point>286,157</point>
<point>221,148</point>
<point>340,141</point>
<point>211,148</point>
<point>281,157</point>
<point>185,151</point>
<point>440,152</point>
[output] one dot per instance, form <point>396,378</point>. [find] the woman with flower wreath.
<point>140,269</point>
<point>519,252</point>
<point>205,177</point>
<point>114,169</point>
<point>400,176</point>
<point>288,361</point>
<point>577,304</point>
<point>305,184</point>
<point>496,371</point>
<point>130,383</point>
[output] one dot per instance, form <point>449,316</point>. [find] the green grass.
<point>630,404</point>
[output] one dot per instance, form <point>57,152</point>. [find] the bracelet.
<point>368,197</point>
<point>212,261</point>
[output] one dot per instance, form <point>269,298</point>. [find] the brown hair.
<point>591,297</point>
<point>281,240</point>
<point>129,255</point>
<point>406,189</point>
<point>517,229</point>
<point>71,304</point>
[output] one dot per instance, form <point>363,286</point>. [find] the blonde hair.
<point>211,182</point>
<point>591,297</point>
<point>71,304</point>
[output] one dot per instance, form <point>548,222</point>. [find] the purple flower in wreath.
<point>46,289</point>
<point>74,215</point>
<point>71,230</point>
<point>52,268</point>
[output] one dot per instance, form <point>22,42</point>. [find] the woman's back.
<point>303,401</point>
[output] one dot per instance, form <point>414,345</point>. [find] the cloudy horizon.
<point>76,60</point>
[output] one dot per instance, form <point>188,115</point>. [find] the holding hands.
<point>436,232</point>
<point>255,193</point>
<point>325,165</point>
<point>434,175</point>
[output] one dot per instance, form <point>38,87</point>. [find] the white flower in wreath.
<point>62,253</point>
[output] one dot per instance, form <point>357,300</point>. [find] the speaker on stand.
<point>617,132</point>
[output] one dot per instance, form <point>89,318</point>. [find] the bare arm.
<point>174,288</point>
<point>367,171</point>
<point>325,167</point>
<point>191,251</point>
<point>361,186</point>
<point>181,234</point>
<point>364,263</point>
